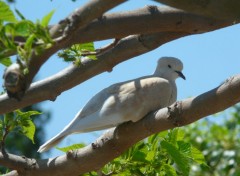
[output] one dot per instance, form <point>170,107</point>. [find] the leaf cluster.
<point>17,122</point>
<point>165,153</point>
<point>219,142</point>
<point>77,51</point>
<point>22,37</point>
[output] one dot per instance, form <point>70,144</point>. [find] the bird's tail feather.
<point>51,143</point>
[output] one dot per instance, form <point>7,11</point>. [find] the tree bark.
<point>220,9</point>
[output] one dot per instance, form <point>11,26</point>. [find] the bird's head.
<point>169,68</point>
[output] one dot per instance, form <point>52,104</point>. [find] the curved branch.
<point>159,19</point>
<point>117,140</point>
<point>82,16</point>
<point>220,9</point>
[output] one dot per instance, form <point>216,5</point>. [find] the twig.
<point>101,50</point>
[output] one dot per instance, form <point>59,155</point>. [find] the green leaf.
<point>6,13</point>
<point>6,61</point>
<point>139,156</point>
<point>74,53</point>
<point>29,43</point>
<point>7,41</point>
<point>197,156</point>
<point>20,14</point>
<point>169,170</point>
<point>4,53</point>
<point>27,114</point>
<point>178,157</point>
<point>8,118</point>
<point>191,152</point>
<point>184,147</point>
<point>47,18</point>
<point>25,122</point>
<point>150,156</point>
<point>24,28</point>
<point>86,46</point>
<point>43,34</point>
<point>175,135</point>
<point>163,134</point>
<point>71,147</point>
<point>29,130</point>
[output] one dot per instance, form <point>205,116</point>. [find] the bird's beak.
<point>180,74</point>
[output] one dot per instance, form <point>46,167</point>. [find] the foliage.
<point>71,147</point>
<point>25,38</point>
<point>165,153</point>
<point>19,122</point>
<point>22,37</point>
<point>77,51</point>
<point>219,143</point>
<point>19,144</point>
<point>6,13</point>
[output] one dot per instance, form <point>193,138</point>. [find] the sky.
<point>208,60</point>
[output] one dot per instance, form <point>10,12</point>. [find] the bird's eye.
<point>169,66</point>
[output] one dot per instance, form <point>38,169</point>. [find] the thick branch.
<point>220,9</point>
<point>119,139</point>
<point>159,19</point>
<point>82,16</point>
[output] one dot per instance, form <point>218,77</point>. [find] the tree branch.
<point>51,87</point>
<point>68,26</point>
<point>220,9</point>
<point>159,19</point>
<point>82,16</point>
<point>117,140</point>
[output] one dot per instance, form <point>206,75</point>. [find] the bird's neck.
<point>163,74</point>
<point>158,73</point>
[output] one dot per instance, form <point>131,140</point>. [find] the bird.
<point>125,101</point>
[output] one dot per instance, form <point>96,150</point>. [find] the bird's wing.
<point>134,99</point>
<point>97,101</point>
<point>122,102</point>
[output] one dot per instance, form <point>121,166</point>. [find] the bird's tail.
<point>59,137</point>
<point>51,143</point>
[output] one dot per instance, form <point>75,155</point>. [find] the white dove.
<point>125,101</point>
